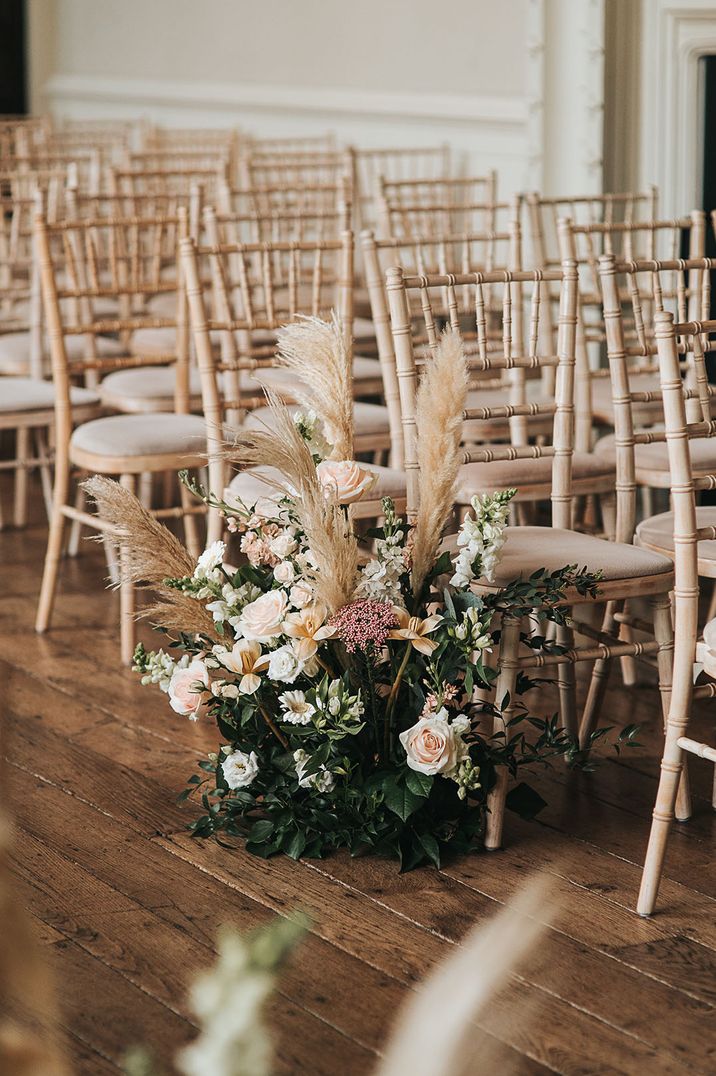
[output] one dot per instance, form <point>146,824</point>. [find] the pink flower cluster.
<point>364,623</point>
<point>256,542</point>
<point>450,694</point>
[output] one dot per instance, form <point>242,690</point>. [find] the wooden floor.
<point>128,905</point>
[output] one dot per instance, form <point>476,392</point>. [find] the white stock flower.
<point>284,665</point>
<point>296,711</point>
<point>209,561</point>
<point>240,769</point>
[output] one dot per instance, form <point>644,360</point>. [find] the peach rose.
<point>184,696</point>
<point>263,619</point>
<point>345,480</point>
<point>432,745</point>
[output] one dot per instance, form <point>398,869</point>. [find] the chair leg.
<point>191,530</point>
<point>509,645</point>
<point>608,508</point>
<point>664,635</point>
<point>597,684</point>
<point>42,450</point>
<point>22,455</point>
<point>73,544</point>
<point>628,664</point>
<point>567,683</point>
<point>54,546</point>
<point>126,592</point>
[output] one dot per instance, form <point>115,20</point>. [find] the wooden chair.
<point>687,535</point>
<point>626,570</point>
<point>287,281</point>
<point>122,258</point>
<point>631,240</point>
<point>443,206</point>
<point>368,164</point>
<point>297,168</point>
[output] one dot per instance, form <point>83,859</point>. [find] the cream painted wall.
<point>393,45</point>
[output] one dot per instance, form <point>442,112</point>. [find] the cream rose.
<point>263,619</point>
<point>345,480</point>
<point>284,573</point>
<point>432,745</point>
<point>184,698</point>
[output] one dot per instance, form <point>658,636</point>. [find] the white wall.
<point>509,84</point>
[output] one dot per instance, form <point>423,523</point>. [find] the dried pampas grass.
<point>436,1029</point>
<point>316,351</point>
<point>150,554</point>
<point>278,444</point>
<point>438,416</point>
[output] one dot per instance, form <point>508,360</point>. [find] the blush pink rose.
<point>345,480</point>
<point>431,745</point>
<point>184,698</point>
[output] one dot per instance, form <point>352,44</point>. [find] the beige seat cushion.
<point>655,457</point>
<point>15,350</point>
<point>249,486</point>
<point>504,474</point>
<point>528,548</point>
<point>368,418</point>
<point>142,435</point>
<point>658,531</point>
<point>603,407</point>
<point>477,430</point>
<point>147,388</point>
<point>163,305</point>
<point>31,394</point>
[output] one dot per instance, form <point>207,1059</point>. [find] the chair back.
<point>443,206</point>
<point>439,304</point>
<point>368,165</point>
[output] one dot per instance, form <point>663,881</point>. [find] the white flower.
<point>322,781</point>
<point>284,665</point>
<point>283,545</point>
<point>240,769</point>
<point>186,686</point>
<point>209,561</point>
<point>434,744</point>
<point>296,711</point>
<point>284,572</point>
<point>263,619</point>
<point>300,595</point>
<point>345,480</point>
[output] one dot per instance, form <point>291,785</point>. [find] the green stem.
<point>390,705</point>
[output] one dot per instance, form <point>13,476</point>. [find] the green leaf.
<point>400,800</point>
<point>419,783</point>
<point>295,845</point>
<point>261,831</point>
<point>430,846</point>
<point>524,801</point>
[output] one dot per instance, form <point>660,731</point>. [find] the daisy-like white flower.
<point>245,660</point>
<point>414,630</point>
<point>296,710</point>
<point>308,627</point>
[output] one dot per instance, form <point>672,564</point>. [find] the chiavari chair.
<point>688,535</point>
<point>370,164</point>
<point>297,168</point>
<point>443,206</point>
<point>221,142</point>
<point>85,164</point>
<point>287,281</point>
<point>626,569</point>
<point>21,134</point>
<point>122,257</point>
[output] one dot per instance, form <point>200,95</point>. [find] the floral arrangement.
<point>353,693</point>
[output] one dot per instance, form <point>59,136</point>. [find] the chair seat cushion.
<point>368,418</point>
<point>15,350</point>
<point>528,548</point>
<point>658,531</point>
<point>477,477</point>
<point>32,394</point>
<point>141,435</point>
<point>476,430</point>
<point>250,486</point>
<point>603,406</point>
<point>655,457</point>
<point>153,385</point>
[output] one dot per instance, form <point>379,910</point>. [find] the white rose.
<point>240,769</point>
<point>184,698</point>
<point>431,745</point>
<point>283,545</point>
<point>284,665</point>
<point>300,595</point>
<point>284,572</point>
<point>345,480</point>
<point>262,619</point>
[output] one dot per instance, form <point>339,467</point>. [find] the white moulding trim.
<point>456,108</point>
